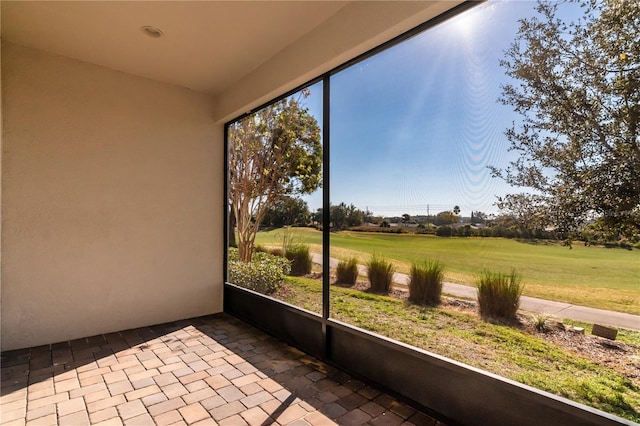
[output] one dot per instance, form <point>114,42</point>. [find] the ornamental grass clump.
<point>300,259</point>
<point>425,284</point>
<point>380,274</point>
<point>276,252</point>
<point>347,271</point>
<point>541,322</point>
<point>499,294</point>
<point>272,251</point>
<point>264,274</point>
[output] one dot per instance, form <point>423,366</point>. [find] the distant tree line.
<point>293,211</point>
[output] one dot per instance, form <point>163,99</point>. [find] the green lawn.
<point>588,276</point>
<point>514,353</point>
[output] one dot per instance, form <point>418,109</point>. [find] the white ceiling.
<point>207,46</point>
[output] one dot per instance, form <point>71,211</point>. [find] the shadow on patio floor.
<point>207,370</point>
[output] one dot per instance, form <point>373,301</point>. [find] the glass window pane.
<point>415,131</point>
<point>275,169</point>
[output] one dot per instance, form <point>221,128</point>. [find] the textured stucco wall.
<point>111,200</point>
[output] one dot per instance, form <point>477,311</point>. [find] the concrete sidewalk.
<point>558,309</point>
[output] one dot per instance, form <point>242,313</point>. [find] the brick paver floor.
<point>204,371</point>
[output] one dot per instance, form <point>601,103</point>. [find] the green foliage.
<point>344,216</point>
<point>540,322</point>
<point>444,231</point>
<point>446,218</point>
<point>576,87</point>
<point>499,294</point>
<point>347,271</point>
<point>276,252</point>
<point>300,259</point>
<point>464,231</point>
<point>272,251</point>
<point>287,211</point>
<point>272,153</point>
<point>264,274</point>
<point>425,285</point>
<point>380,274</point>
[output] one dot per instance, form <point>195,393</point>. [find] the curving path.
<point>532,304</point>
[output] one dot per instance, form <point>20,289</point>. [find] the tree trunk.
<point>232,229</point>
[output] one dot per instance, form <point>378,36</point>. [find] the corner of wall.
<point>111,214</point>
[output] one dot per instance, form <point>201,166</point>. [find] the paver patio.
<point>203,371</point>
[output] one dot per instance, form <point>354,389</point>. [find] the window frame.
<point>470,395</point>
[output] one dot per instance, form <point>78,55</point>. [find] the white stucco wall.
<point>111,201</point>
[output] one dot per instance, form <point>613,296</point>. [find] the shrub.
<point>347,271</point>
<point>300,259</point>
<point>444,231</point>
<point>276,252</point>
<point>464,231</point>
<point>425,284</point>
<point>499,294</point>
<point>380,274</point>
<point>270,250</point>
<point>263,274</point>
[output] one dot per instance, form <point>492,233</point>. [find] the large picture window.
<point>274,160</point>
<point>482,177</point>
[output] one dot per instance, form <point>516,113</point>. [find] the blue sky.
<point>420,123</point>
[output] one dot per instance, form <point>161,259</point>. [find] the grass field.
<point>516,353</point>
<point>597,277</point>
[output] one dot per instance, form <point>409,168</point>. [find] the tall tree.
<point>355,216</point>
<point>446,218</point>
<point>316,217</point>
<point>478,217</point>
<point>344,216</point>
<point>338,214</point>
<point>287,211</point>
<point>576,86</point>
<point>274,152</point>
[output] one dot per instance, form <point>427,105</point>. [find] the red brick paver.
<point>212,370</point>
